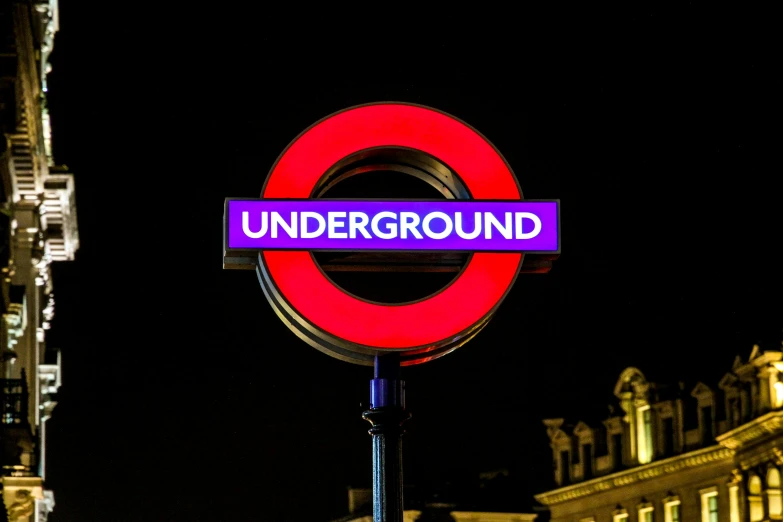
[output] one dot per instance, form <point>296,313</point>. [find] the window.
<point>617,450</point>
<point>601,446</point>
<point>709,505</point>
<point>777,400</point>
<point>671,509</point>
<point>574,450</point>
<point>708,433</point>
<point>745,397</point>
<point>773,493</point>
<point>565,473</point>
<point>668,436</point>
<point>645,513</point>
<point>754,499</point>
<point>734,412</point>
<point>644,434</point>
<point>675,512</point>
<point>713,508</point>
<point>620,515</point>
<point>587,459</point>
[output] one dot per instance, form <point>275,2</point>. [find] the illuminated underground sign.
<point>483,213</point>
<point>468,226</point>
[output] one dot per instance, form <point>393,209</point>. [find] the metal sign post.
<point>387,414</point>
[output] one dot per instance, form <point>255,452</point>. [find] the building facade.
<point>706,453</point>
<point>428,510</point>
<point>37,227</point>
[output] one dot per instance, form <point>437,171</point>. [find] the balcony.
<point>14,401</point>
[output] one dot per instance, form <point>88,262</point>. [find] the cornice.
<point>759,428</point>
<point>638,474</point>
<point>751,461</point>
<point>479,516</point>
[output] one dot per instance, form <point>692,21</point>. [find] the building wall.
<point>37,228</point>
<point>360,509</point>
<point>676,444</point>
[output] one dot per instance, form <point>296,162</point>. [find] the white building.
<point>37,227</point>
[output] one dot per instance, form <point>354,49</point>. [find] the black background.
<point>185,398</point>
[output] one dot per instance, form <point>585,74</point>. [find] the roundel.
<point>351,328</point>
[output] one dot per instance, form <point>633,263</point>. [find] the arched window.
<point>754,485</point>
<point>773,478</point>
<point>773,493</point>
<point>754,499</point>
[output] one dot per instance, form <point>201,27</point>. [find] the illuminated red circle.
<point>459,307</point>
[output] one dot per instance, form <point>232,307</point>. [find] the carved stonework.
<point>743,414</point>
<point>769,424</point>
<point>762,460</point>
<point>632,476</point>
<point>45,507</point>
<point>23,506</point>
<point>39,227</point>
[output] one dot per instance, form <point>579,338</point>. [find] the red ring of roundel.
<point>469,299</point>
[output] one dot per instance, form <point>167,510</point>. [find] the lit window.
<point>646,513</point>
<point>713,508</point>
<point>754,499</point>
<point>620,515</point>
<point>644,434</point>
<point>778,400</point>
<point>709,505</point>
<point>671,510</point>
<point>773,493</point>
<point>773,478</point>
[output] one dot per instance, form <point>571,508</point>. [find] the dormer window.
<point>633,390</point>
<point>575,450</point>
<point>587,460</point>
<point>707,424</point>
<point>734,412</point>
<point>584,437</point>
<point>705,399</point>
<point>644,434</point>
<point>565,467</point>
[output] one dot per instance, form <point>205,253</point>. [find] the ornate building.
<point>708,453</point>
<point>37,227</point>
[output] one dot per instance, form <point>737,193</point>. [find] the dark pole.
<point>386,414</point>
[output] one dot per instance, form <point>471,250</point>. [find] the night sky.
<point>185,398</point>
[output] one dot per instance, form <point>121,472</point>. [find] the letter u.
<point>246,225</point>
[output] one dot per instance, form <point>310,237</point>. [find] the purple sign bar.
<point>462,226</point>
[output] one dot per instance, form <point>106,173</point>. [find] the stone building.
<point>703,453</point>
<point>37,227</point>
<point>488,499</point>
